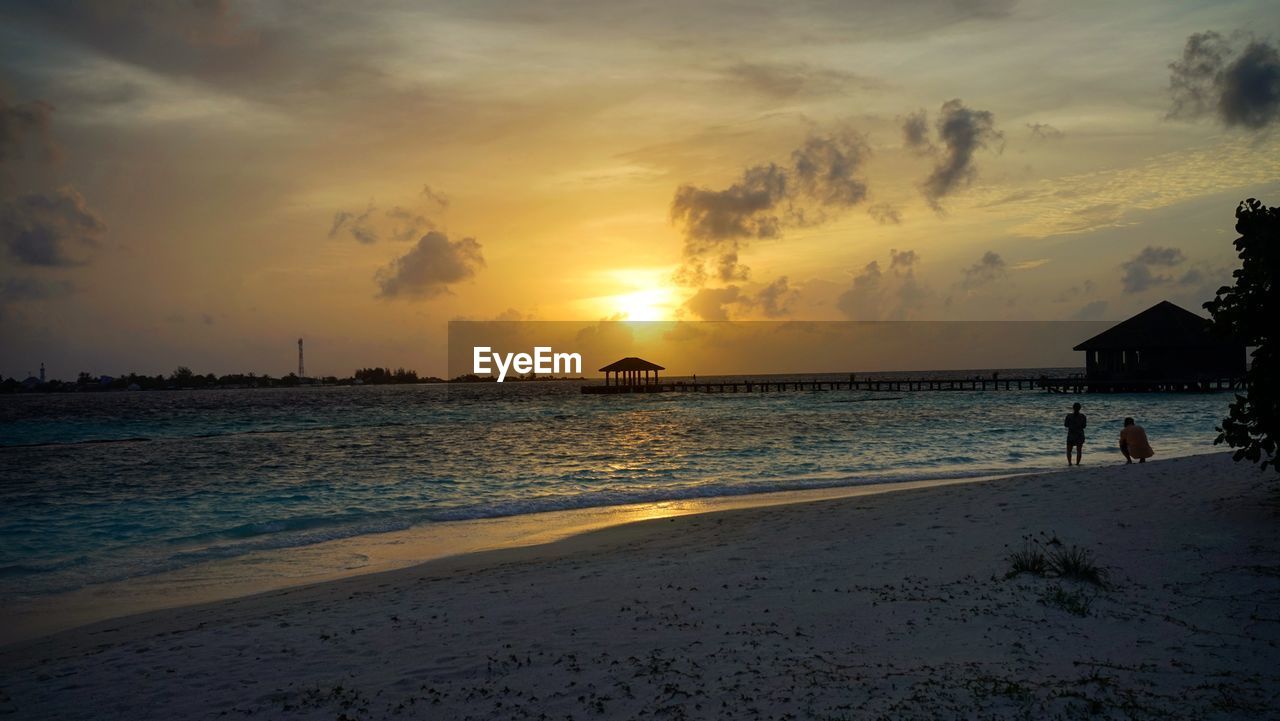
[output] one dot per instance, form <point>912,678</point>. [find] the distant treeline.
<point>184,378</point>
<point>379,376</point>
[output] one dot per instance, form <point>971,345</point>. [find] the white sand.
<point>892,606</point>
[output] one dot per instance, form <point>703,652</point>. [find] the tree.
<point>1248,311</point>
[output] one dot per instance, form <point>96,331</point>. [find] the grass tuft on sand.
<point>1052,558</point>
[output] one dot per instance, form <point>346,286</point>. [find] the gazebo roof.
<point>1163,325</point>
<point>631,363</point>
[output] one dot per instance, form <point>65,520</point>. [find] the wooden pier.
<point>1083,385</point>
<point>913,385</point>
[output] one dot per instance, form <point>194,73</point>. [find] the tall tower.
<point>302,372</point>
<point>42,372</point>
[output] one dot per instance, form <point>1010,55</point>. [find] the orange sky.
<point>203,185</point>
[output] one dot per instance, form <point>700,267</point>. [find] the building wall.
<point>1165,364</point>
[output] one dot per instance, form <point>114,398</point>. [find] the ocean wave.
<point>370,462</point>
<point>81,442</point>
<point>22,570</point>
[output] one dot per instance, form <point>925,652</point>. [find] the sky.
<point>203,183</point>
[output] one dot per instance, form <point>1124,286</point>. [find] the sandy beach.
<point>896,605</point>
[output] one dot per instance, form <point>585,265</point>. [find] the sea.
<point>102,487</point>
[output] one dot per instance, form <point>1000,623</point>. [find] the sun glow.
<point>634,294</point>
<point>651,304</point>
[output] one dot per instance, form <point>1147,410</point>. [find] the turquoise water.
<point>101,487</point>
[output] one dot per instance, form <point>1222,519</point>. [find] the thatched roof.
<point>1163,325</point>
<point>632,363</point>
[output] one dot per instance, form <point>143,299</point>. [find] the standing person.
<point>1133,442</point>
<point>1075,423</point>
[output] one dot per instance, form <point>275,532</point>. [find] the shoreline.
<point>365,554</point>
<point>885,604</point>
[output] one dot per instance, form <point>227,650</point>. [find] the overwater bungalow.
<point>1162,343</point>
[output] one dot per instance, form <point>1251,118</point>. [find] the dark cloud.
<point>875,294</point>
<point>1139,272</point>
<point>773,300</point>
<point>430,267</point>
<point>821,179</point>
<point>713,303</point>
<point>433,196</point>
<point>729,269</point>
<point>988,269</point>
<point>397,222</point>
<point>39,226</point>
<point>1251,88</point>
<point>863,298</point>
<point>54,228</point>
<point>784,80</point>
<point>1199,284</point>
<point>1192,79</point>
<point>826,168</point>
<point>903,260</point>
<point>1091,311</point>
<point>1240,86</point>
<point>1155,255</point>
<point>286,56</point>
<point>884,214</point>
<point>864,282</point>
<point>1076,291</point>
<point>191,37</point>
<point>1045,131</point>
<point>407,224</point>
<point>24,124</point>
<point>747,209</point>
<point>358,225</point>
<point>961,132</point>
<point>915,131</point>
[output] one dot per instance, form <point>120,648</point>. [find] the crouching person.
<point>1133,442</point>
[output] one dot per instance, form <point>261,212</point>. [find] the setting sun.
<point>635,294</point>
<point>652,304</point>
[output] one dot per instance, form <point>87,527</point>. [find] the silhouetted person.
<point>1075,423</point>
<point>1133,442</point>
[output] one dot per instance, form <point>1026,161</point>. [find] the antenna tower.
<point>302,373</point>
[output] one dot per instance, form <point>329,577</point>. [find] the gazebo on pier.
<point>632,371</point>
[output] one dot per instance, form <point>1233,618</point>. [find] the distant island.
<point>183,378</point>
